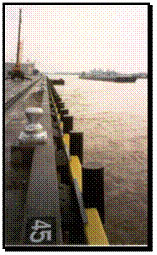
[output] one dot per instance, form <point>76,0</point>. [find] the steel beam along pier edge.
<point>73,146</point>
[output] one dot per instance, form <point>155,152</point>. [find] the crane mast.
<point>16,72</point>
<point>19,45</point>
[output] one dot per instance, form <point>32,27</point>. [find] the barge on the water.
<point>111,79</point>
<point>111,76</point>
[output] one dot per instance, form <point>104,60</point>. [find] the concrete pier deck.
<point>12,87</point>
<point>38,198</point>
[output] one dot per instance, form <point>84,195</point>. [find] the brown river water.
<point>113,117</point>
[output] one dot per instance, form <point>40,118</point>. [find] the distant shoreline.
<point>63,73</point>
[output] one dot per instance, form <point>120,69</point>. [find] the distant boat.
<point>109,76</point>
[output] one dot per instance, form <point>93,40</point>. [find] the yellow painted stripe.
<point>55,107</point>
<point>66,140</point>
<point>59,116</point>
<point>61,125</point>
<point>94,230</point>
<point>76,170</point>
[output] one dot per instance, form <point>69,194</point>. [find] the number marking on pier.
<point>41,230</point>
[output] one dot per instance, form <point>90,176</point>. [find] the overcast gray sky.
<point>79,37</point>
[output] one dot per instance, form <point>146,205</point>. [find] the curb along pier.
<point>51,196</point>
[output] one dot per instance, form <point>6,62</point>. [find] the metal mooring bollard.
<point>67,123</point>
<point>93,187</point>
<point>33,132</point>
<point>76,144</point>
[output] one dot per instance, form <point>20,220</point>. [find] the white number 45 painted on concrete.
<point>42,232</point>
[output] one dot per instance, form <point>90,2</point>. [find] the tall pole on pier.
<point>19,44</point>
<point>19,34</point>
